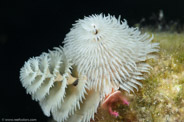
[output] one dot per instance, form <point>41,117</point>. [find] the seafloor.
<point>161,99</point>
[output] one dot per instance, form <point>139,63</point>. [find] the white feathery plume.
<point>87,108</point>
<point>71,103</point>
<point>103,52</point>
<point>48,79</point>
<point>45,78</point>
<point>109,52</point>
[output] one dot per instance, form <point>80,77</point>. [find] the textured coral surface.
<point>161,99</point>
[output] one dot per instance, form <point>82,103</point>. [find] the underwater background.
<point>28,28</point>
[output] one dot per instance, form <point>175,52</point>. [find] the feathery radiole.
<point>104,52</point>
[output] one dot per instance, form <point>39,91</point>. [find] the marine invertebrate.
<point>104,53</point>
<point>108,52</point>
<point>48,79</point>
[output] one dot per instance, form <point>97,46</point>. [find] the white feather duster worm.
<point>109,52</point>
<point>48,79</point>
<point>104,53</point>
